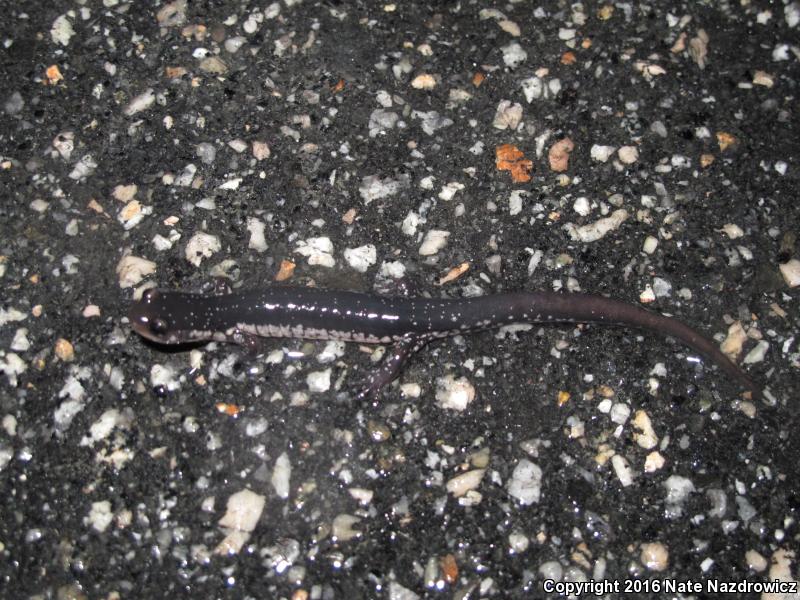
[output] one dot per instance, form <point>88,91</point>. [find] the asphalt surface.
<point>643,151</point>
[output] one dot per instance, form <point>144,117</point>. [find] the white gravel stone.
<point>434,240</point>
<point>526,482</point>
<point>281,476</point>
<point>361,258</point>
<point>201,245</point>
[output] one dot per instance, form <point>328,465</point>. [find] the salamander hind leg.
<point>391,366</point>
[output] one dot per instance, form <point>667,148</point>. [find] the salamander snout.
<point>146,319</point>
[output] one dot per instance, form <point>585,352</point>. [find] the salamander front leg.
<point>391,366</point>
<point>218,286</point>
<point>251,342</point>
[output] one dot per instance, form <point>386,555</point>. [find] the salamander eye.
<point>149,294</point>
<point>158,326</point>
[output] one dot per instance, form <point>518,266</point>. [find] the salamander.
<point>407,323</point>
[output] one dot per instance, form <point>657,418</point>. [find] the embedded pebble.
<point>132,269</point>
<point>431,121</point>
<point>628,154</point>
<point>333,350</point>
<point>513,55</point>
<point>20,342</point>
<point>201,245</point>
<point>620,412</point>
<point>525,483</point>
<point>646,437</point>
<point>281,476</point>
<point>450,189</point>
<point>319,381</point>
<point>261,150</point>
<point>318,251</point>
<point>653,462</point>
<point>454,394</point>
<point>256,227</point>
<point>755,561</point>
<point>734,341</point>
<point>410,223</point>
<point>791,272</point>
<point>463,483</point>
<point>732,230</point>
<point>342,528</point>
<point>601,153</point>
<point>677,489</point>
<point>654,556</point>
<point>141,102</point>
<point>425,81</point>
<point>515,201</point>
<point>757,354</point>
<point>558,156</point>
<point>100,516</point>
<point>650,244</point>
<point>597,230</point>
<point>61,31</point>
<point>373,187</point>
<point>647,295</point>
<point>518,542</point>
<point>535,88</point>
<point>508,115</point>
<point>361,258</point>
<point>622,470</point>
<point>582,206</point>
<point>243,511</point>
<point>434,240</point>
<point>132,214</point>
<point>661,287</point>
<point>206,152</point>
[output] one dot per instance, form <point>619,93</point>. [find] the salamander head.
<point>157,317</point>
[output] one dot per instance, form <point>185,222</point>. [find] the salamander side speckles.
<point>169,317</point>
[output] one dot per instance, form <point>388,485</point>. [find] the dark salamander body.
<point>171,317</point>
